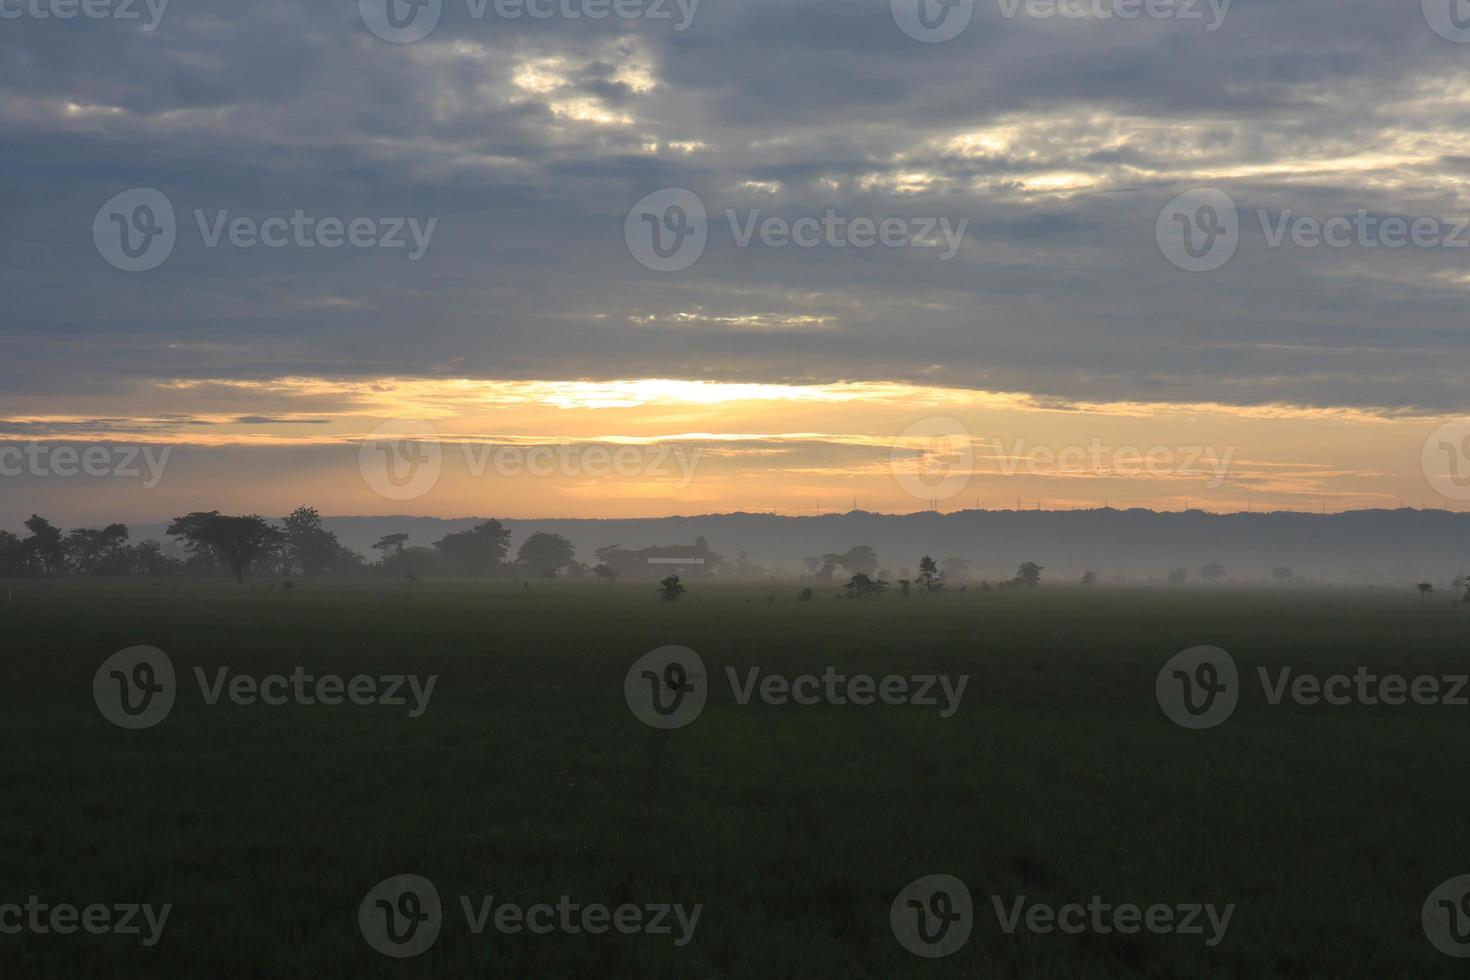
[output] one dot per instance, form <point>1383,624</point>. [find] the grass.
<point>528,779</point>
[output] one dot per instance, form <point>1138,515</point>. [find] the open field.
<point>528,778</point>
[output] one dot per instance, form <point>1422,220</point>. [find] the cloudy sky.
<point>1013,240</point>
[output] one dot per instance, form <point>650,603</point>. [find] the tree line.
<point>223,544</point>
<point>215,544</point>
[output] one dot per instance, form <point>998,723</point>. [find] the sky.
<point>536,258</point>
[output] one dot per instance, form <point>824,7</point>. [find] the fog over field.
<point>1367,547</point>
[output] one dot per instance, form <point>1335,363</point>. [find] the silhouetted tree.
<point>860,558</point>
<point>148,559</point>
<point>1424,589</point>
<point>545,554</point>
<point>1089,578</point>
<point>310,548</point>
<point>235,542</point>
<point>1212,573</point>
<point>1029,574</point>
<point>90,551</point>
<point>861,586</point>
<point>12,556</point>
<point>44,549</point>
<point>669,589</point>
<point>391,543</point>
<point>929,575</point>
<point>1178,576</point>
<point>478,551</point>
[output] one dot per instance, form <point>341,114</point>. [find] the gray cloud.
<point>530,140</point>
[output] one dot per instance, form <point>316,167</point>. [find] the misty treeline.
<point>208,543</point>
<point>211,543</point>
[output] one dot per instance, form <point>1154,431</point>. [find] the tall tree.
<point>148,559</point>
<point>13,558</point>
<point>545,554</point>
<point>478,551</point>
<point>310,547</point>
<point>929,575</point>
<point>235,542</point>
<point>44,548</point>
<point>99,552</point>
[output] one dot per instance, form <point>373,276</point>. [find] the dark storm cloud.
<point>528,141</point>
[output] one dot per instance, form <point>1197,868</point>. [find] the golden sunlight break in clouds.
<point>707,447</point>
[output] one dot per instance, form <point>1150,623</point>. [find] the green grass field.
<point>528,778</point>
